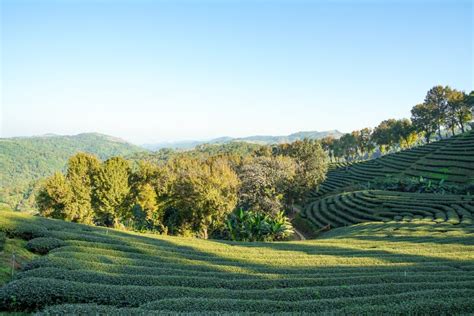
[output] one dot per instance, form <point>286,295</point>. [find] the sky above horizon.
<point>154,71</point>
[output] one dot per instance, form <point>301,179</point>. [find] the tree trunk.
<point>462,127</point>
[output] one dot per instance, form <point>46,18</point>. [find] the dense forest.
<point>191,193</point>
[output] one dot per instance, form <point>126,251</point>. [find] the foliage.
<point>3,238</point>
<point>418,185</point>
<point>200,196</point>
<point>266,183</point>
<point>112,187</point>
<point>42,245</point>
<point>311,167</point>
<point>424,119</point>
<point>258,226</point>
<point>81,170</point>
<point>54,198</point>
<point>25,160</point>
<point>384,134</point>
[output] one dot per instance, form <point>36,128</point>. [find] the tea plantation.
<point>387,252</point>
<point>450,159</point>
<point>392,267</point>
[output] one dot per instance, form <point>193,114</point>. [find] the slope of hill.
<point>349,208</point>
<point>339,201</point>
<point>257,139</point>
<point>376,268</point>
<point>450,159</point>
<point>26,159</point>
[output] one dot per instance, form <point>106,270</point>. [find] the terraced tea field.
<point>374,205</point>
<point>450,159</point>
<point>391,267</point>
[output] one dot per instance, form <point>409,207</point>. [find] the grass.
<point>22,256</point>
<point>420,266</point>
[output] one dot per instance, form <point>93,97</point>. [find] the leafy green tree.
<point>54,198</point>
<point>424,119</point>
<point>328,143</point>
<point>458,111</point>
<point>202,194</point>
<point>311,166</point>
<point>363,141</point>
<point>111,191</point>
<point>384,136</point>
<point>146,208</point>
<point>404,131</point>
<point>266,184</point>
<point>347,146</point>
<point>437,99</point>
<point>81,170</point>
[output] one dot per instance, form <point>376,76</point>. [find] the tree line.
<point>188,194</point>
<point>444,109</point>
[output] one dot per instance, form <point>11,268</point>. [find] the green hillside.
<point>23,160</point>
<point>377,268</point>
<point>450,159</point>
<point>341,202</point>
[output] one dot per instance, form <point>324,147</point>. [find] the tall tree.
<point>424,119</point>
<point>311,166</point>
<point>201,195</point>
<point>327,143</point>
<point>384,136</point>
<point>111,191</point>
<point>266,184</point>
<point>437,98</point>
<point>363,140</point>
<point>54,197</point>
<point>81,170</point>
<point>146,207</point>
<point>458,111</point>
<point>404,131</point>
<point>348,146</point>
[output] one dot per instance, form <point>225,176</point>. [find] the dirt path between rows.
<point>295,210</point>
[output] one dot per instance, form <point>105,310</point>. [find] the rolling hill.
<point>257,139</point>
<point>371,268</point>
<point>340,202</point>
<point>450,159</point>
<point>23,160</point>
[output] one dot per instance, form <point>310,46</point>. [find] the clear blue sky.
<point>151,71</point>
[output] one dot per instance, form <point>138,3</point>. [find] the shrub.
<point>42,245</point>
<point>258,226</point>
<point>418,185</point>
<point>32,293</point>
<point>24,230</point>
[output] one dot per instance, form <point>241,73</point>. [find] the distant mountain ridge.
<point>257,139</point>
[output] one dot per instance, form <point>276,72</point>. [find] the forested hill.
<point>256,139</point>
<point>26,159</point>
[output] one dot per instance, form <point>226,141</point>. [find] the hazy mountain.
<point>257,139</point>
<point>23,160</point>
